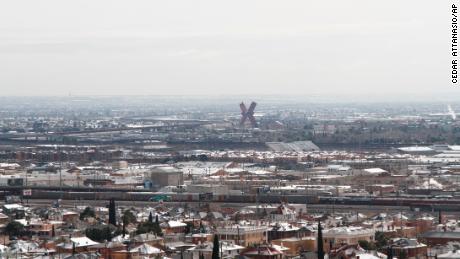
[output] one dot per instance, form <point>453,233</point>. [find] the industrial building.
<point>164,175</point>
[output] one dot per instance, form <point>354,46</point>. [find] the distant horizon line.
<point>401,94</point>
<point>440,97</point>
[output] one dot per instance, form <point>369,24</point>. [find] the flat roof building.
<point>164,175</point>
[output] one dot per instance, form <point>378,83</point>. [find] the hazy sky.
<point>221,47</point>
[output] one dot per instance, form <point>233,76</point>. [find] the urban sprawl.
<point>190,177</point>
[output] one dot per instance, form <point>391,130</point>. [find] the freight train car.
<point>11,180</point>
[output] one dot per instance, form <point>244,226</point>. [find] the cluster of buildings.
<point>177,230</point>
<point>302,184</point>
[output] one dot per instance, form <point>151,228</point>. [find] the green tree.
<point>150,217</point>
<point>100,233</point>
<point>108,234</point>
<point>95,234</point>
<point>389,253</point>
<point>366,245</point>
<point>320,241</point>
<point>129,217</point>
<point>188,228</point>
<point>149,227</point>
<point>112,212</point>
<point>157,227</point>
<point>144,227</point>
<point>14,228</point>
<point>264,213</point>
<point>381,241</point>
<point>215,248</point>
<point>125,222</point>
<point>202,229</point>
<point>88,212</point>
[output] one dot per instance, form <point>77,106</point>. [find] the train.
<point>414,203</point>
<point>11,181</point>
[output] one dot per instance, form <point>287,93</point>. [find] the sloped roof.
<point>83,241</point>
<point>146,249</point>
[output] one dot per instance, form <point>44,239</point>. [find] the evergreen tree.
<point>320,241</point>
<point>381,241</point>
<point>215,248</point>
<point>264,213</point>
<point>151,217</point>
<point>74,249</point>
<point>99,233</point>
<point>389,253</point>
<point>112,212</point>
<point>188,229</point>
<point>14,229</point>
<point>125,221</point>
<point>129,217</point>
<point>157,227</point>
<point>202,229</point>
<point>88,212</point>
<point>148,227</point>
<point>108,234</point>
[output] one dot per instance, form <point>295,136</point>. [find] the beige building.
<point>243,235</point>
<point>346,235</point>
<point>296,245</point>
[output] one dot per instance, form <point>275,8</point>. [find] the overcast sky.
<point>237,47</point>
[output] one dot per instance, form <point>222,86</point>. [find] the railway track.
<point>87,194</point>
